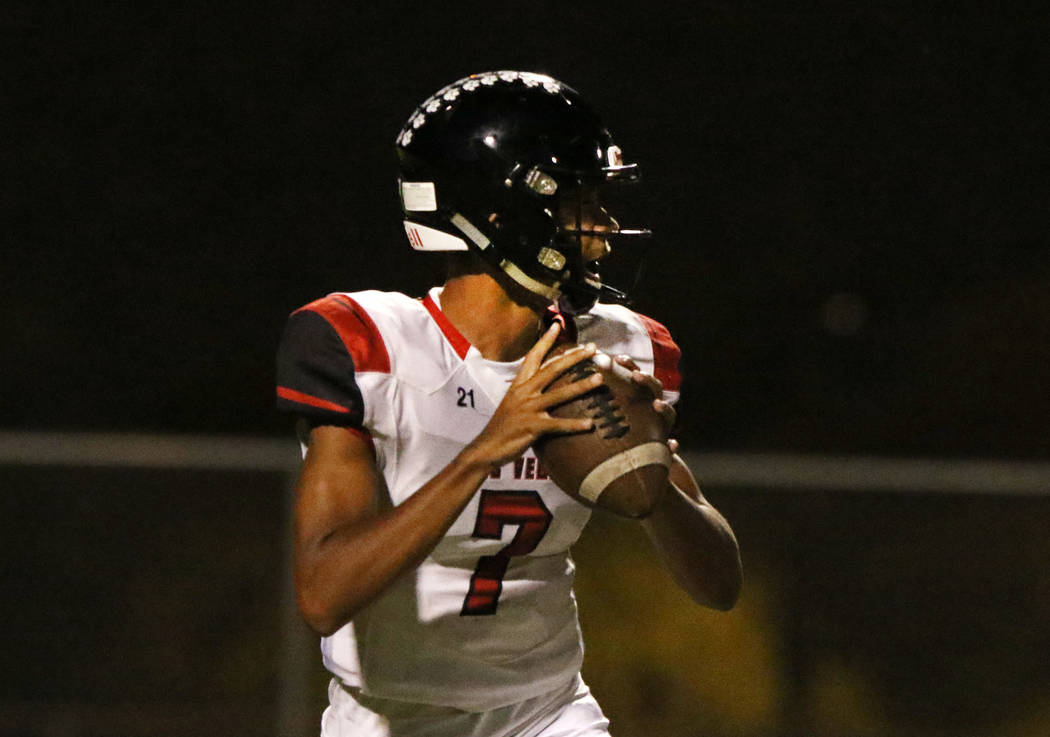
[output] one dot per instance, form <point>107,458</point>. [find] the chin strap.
<point>491,254</point>
<point>547,291</point>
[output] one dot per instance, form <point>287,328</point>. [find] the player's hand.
<point>522,416</point>
<point>656,387</point>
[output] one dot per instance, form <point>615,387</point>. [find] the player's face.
<point>582,211</point>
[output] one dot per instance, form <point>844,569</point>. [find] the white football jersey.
<point>489,617</point>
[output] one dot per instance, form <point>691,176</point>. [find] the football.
<point>622,463</point>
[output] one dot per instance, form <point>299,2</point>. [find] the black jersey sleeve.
<point>315,372</point>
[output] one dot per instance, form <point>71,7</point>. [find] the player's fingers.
<point>552,368</point>
<point>667,413</point>
<point>567,425</point>
<point>649,381</point>
<point>571,390</point>
<point>534,358</point>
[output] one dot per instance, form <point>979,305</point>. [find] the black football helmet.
<point>484,163</point>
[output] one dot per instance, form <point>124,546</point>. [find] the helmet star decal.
<point>452,92</point>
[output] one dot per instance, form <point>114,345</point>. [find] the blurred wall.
<point>150,602</point>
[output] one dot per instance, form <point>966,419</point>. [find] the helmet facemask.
<point>588,232</point>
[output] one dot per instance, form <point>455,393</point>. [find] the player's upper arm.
<point>338,485</point>
<point>336,493</point>
<point>323,346</point>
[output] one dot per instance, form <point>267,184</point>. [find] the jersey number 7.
<point>496,509</point>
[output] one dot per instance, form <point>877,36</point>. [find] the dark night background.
<point>849,200</point>
<point>179,178</point>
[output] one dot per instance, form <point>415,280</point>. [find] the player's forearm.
<point>698,547</point>
<point>341,572</point>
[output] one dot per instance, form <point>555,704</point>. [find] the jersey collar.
<point>461,345</point>
<point>455,338</point>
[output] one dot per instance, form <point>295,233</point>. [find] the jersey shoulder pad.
<point>666,354</point>
<point>422,347</point>
<point>617,329</point>
<point>325,345</point>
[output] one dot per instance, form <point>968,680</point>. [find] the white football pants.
<point>567,712</point>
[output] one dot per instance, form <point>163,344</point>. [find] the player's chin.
<point>592,276</point>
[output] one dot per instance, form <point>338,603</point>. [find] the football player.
<point>431,548</point>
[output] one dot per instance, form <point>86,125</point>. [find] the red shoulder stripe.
<point>455,338</point>
<point>303,398</point>
<point>665,354</point>
<point>356,329</point>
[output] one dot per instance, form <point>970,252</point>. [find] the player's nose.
<point>595,248</point>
